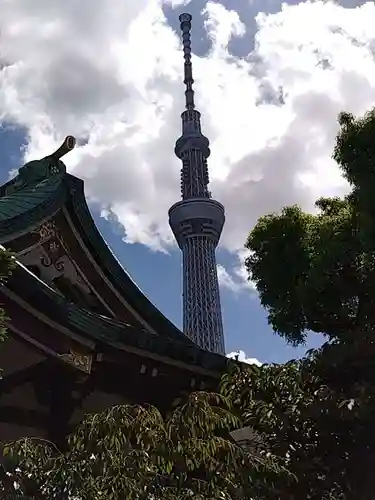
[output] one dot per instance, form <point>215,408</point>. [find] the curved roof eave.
<point>30,206</point>
<point>106,330</point>
<point>81,215</point>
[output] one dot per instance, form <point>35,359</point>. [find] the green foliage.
<point>7,264</point>
<point>321,435</point>
<point>132,452</point>
<point>310,270</point>
<point>354,150</point>
<point>279,265</point>
<point>316,272</point>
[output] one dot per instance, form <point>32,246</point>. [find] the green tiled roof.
<point>26,201</point>
<point>103,329</point>
<point>26,208</point>
<point>19,202</point>
<point>81,215</point>
<point>23,201</point>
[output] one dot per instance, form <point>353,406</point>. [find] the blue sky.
<point>118,88</point>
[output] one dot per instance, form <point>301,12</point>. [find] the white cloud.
<point>112,76</point>
<point>227,281</point>
<point>241,356</point>
<point>237,279</point>
<point>177,3</point>
<point>221,25</point>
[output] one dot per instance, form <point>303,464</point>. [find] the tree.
<point>306,425</point>
<point>316,272</point>
<point>133,452</point>
<point>7,264</point>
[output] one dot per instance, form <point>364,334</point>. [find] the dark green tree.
<point>7,263</point>
<point>316,273</point>
<point>304,423</point>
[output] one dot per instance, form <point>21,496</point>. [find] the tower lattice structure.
<point>197,221</point>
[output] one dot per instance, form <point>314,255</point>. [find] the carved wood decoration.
<point>52,245</point>
<point>48,258</point>
<point>80,361</point>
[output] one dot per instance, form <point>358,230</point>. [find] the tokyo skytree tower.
<point>197,221</point>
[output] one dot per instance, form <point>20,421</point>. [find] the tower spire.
<point>185,24</point>
<point>197,221</point>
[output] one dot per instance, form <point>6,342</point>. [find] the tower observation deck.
<point>197,221</point>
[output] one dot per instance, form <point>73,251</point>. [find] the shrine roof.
<point>39,191</point>
<point>12,205</point>
<point>22,209</point>
<point>106,330</point>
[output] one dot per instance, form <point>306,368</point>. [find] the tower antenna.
<point>185,24</point>
<point>197,222</point>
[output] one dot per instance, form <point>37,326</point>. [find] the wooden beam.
<point>65,397</point>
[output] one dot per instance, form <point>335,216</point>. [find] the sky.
<point>270,80</point>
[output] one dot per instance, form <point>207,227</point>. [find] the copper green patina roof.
<point>43,187</point>
<point>23,201</point>
<point>105,330</point>
<point>23,209</point>
<point>34,194</point>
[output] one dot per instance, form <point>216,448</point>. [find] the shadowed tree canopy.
<point>320,435</point>
<point>316,273</point>
<point>132,452</point>
<point>7,264</point>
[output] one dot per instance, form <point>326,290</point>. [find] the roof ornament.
<point>68,144</point>
<point>36,171</point>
